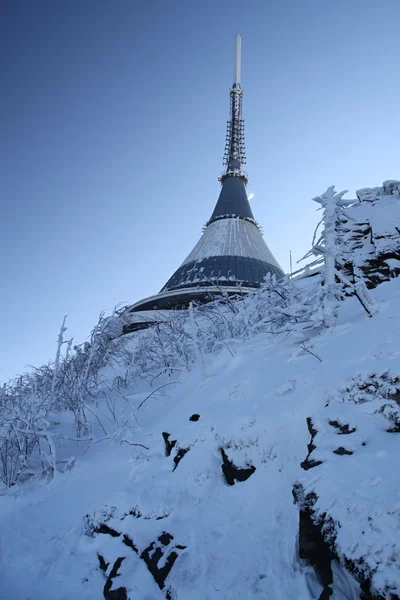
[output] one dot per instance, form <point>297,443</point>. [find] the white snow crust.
<point>241,540</point>
<point>253,394</point>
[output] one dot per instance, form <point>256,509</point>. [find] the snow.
<point>253,390</point>
<point>240,540</point>
<point>393,263</point>
<point>389,187</point>
<point>383,221</point>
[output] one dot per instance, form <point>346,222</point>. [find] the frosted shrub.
<point>23,427</point>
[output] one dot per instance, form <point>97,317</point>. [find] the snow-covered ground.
<point>246,449</point>
<point>224,541</point>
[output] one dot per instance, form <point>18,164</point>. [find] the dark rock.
<point>376,270</point>
<point>303,501</point>
<point>120,593</point>
<point>168,444</point>
<point>151,556</point>
<point>165,538</point>
<point>128,542</point>
<point>103,564</point>
<point>233,473</point>
<point>343,429</point>
<point>317,544</point>
<point>326,593</point>
<point>394,429</point>
<point>313,432</point>
<point>366,593</point>
<point>179,455</point>
<point>91,521</point>
<point>342,451</point>
<point>363,574</point>
<point>310,463</point>
<point>396,395</point>
<point>314,548</point>
<point>103,528</point>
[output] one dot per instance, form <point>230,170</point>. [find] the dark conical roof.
<point>232,200</point>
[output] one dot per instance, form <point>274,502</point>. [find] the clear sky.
<point>112,133</point>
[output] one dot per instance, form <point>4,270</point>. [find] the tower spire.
<point>235,155</point>
<point>231,255</point>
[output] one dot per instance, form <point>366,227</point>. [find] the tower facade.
<point>231,255</point>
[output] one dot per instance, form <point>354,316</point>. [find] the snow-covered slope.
<point>240,471</point>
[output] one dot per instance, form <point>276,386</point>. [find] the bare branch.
<point>155,391</point>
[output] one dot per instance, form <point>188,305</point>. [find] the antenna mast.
<point>235,154</point>
<point>238,60</point>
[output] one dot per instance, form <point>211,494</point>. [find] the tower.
<point>231,255</point>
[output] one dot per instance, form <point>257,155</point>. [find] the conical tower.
<point>231,255</point>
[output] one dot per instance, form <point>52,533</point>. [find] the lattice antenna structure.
<point>235,153</point>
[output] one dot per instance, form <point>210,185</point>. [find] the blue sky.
<point>112,134</point>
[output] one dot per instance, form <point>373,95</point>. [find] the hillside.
<point>242,449</point>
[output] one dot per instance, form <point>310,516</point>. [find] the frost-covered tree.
<point>77,376</point>
<point>329,246</point>
<point>60,342</point>
<point>70,383</point>
<point>25,441</point>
